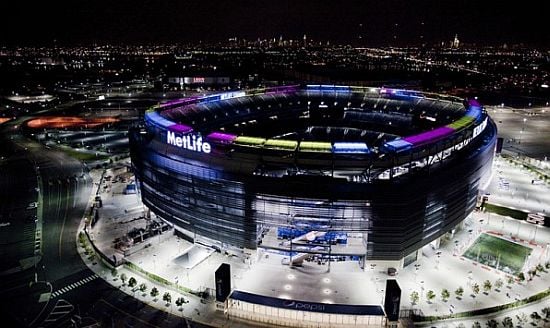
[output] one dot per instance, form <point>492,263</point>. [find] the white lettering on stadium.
<point>311,307</point>
<point>189,142</point>
<point>304,306</point>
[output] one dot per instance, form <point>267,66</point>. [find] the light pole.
<point>522,129</point>
<point>535,235</point>
<point>75,190</point>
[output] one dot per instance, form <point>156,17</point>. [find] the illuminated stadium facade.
<point>356,172</point>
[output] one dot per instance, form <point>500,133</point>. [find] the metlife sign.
<point>189,142</point>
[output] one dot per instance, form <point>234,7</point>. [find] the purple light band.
<point>222,137</point>
<point>429,135</point>
<point>283,89</point>
<point>179,101</point>
<point>474,102</point>
<point>180,128</point>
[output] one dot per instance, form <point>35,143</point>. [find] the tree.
<point>487,286</point>
<point>546,312</point>
<point>430,295</point>
<point>498,283</point>
<point>476,324</point>
<point>547,265</point>
<point>132,282</point>
<point>507,322</point>
<point>475,288</point>
<point>459,292</point>
<point>510,280</point>
<point>539,268</point>
<point>532,272</point>
<point>535,316</point>
<point>114,273</point>
<point>521,277</point>
<point>492,323</point>
<point>180,301</point>
<point>414,297</point>
<point>154,292</point>
<point>167,297</point>
<point>123,277</point>
<point>142,287</point>
<point>522,318</point>
<point>445,295</point>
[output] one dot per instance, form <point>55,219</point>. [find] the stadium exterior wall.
<point>218,197</point>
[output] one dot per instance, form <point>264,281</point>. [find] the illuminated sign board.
<point>229,95</point>
<point>198,80</point>
<point>189,142</point>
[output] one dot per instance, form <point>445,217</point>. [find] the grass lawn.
<point>505,211</point>
<point>493,251</point>
<point>85,156</point>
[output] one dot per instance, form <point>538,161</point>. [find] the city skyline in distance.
<point>359,23</point>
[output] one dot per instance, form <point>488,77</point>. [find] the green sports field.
<point>498,253</point>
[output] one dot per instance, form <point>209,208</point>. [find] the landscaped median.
<point>532,168</point>
<point>87,245</point>
<point>510,212</point>
<point>505,211</point>
<point>489,310</point>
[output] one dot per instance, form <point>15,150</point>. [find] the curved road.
<point>65,188</point>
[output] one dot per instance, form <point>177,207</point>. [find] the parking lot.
<point>514,186</point>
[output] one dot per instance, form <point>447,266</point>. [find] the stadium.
<point>353,173</point>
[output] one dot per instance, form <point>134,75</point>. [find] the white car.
<point>32,205</point>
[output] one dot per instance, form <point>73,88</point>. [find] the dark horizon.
<point>360,23</point>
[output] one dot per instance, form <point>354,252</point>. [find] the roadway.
<point>30,297</point>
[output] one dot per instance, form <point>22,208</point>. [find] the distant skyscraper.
<point>456,42</point>
<point>305,41</point>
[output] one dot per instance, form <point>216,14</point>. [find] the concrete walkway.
<point>344,283</point>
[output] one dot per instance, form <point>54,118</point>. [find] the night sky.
<point>83,21</point>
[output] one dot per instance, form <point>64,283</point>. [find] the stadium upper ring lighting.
<point>186,136</point>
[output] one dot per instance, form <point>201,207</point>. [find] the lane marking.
<point>127,314</point>
<point>64,219</point>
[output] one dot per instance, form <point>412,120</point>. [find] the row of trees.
<point>521,318</point>
<point>459,292</point>
<point>154,292</point>
<point>476,288</point>
<point>537,269</point>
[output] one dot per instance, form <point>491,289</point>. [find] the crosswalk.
<point>61,309</point>
<point>74,285</point>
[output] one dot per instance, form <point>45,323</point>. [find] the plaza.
<point>342,282</point>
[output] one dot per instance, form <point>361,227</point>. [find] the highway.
<point>64,188</point>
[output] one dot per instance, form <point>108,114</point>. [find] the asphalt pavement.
<point>60,287</point>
